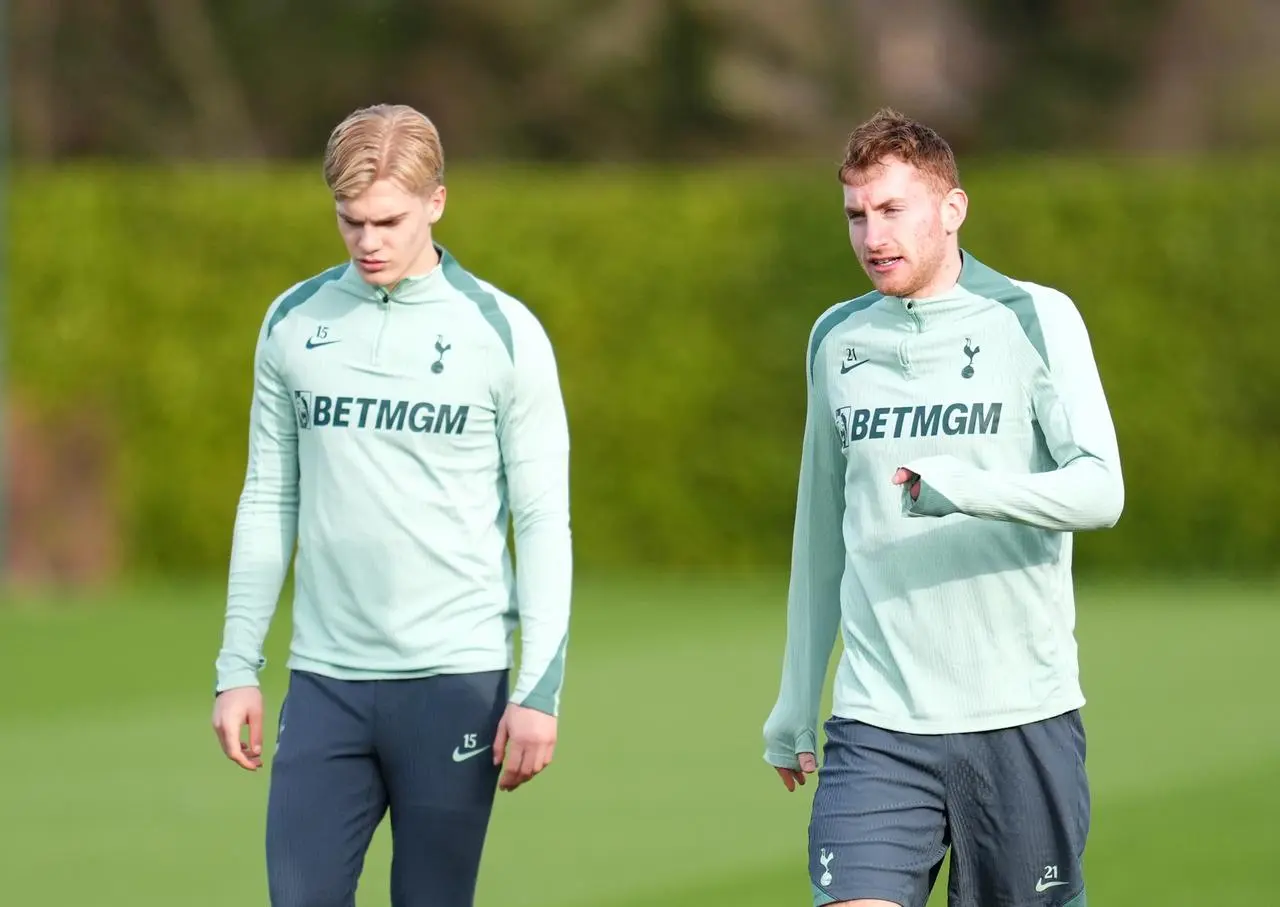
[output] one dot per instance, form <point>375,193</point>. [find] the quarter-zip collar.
<point>433,286</point>
<point>950,303</point>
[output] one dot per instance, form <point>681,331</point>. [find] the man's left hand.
<point>904,476</point>
<point>526,741</point>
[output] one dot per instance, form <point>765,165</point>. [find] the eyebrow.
<point>897,200</point>
<point>379,221</point>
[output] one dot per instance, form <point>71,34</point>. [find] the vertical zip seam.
<point>384,300</point>
<point>904,356</point>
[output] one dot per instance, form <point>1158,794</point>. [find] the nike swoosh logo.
<point>311,344</point>
<point>1042,885</point>
<point>463,757</point>
<point>846,369</point>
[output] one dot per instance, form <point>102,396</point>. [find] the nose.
<point>875,236</point>
<point>368,242</point>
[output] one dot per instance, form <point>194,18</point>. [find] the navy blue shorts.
<point>1011,805</point>
<point>349,752</point>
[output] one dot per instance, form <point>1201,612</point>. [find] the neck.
<point>947,277</point>
<point>425,262</point>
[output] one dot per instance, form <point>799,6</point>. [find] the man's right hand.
<point>790,777</point>
<point>232,710</point>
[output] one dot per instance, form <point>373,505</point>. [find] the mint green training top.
<point>956,611</point>
<point>394,437</point>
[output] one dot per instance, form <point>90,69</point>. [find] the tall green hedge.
<point>679,303</point>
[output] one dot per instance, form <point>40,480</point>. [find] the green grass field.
<point>116,793</point>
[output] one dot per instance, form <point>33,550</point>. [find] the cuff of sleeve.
<point>931,502</point>
<point>541,692</point>
<point>806,742</point>
<point>235,677</point>
<point>782,760</point>
<point>546,706</point>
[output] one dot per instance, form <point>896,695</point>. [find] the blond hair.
<point>891,134</point>
<point>384,141</point>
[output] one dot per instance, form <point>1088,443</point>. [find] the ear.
<point>435,205</point>
<point>955,205</point>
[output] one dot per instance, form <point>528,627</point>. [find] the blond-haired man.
<point>403,412</point>
<point>957,434</point>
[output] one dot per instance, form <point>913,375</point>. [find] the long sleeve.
<point>266,522</point>
<point>534,436</point>
<point>1086,490</point>
<point>813,598</point>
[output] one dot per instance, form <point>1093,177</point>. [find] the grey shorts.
<point>1012,806</point>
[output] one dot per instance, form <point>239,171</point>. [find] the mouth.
<point>884,264</point>
<point>370,264</point>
